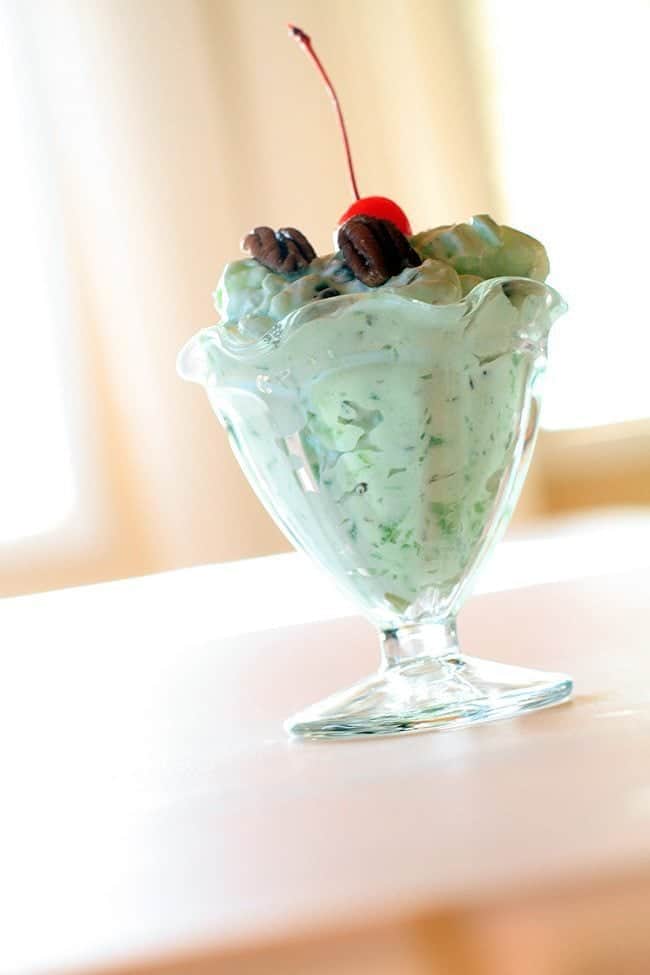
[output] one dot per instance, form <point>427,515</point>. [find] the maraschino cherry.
<point>370,206</point>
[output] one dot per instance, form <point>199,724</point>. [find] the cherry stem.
<point>305,41</point>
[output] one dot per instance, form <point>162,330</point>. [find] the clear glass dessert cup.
<point>389,439</point>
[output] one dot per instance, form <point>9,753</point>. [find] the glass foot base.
<point>430,693</point>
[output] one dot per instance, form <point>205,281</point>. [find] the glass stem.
<point>435,639</point>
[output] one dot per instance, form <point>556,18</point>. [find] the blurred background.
<point>141,140</point>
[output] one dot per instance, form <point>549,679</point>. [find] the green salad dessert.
<point>374,395</point>
<point>383,402</point>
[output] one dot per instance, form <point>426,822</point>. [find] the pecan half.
<point>375,250</point>
<point>284,251</point>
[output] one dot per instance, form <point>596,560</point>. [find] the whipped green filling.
<point>384,434</point>
<point>250,299</point>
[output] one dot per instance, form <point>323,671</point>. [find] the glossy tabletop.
<point>156,818</point>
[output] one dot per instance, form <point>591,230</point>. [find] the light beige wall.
<point>173,128</point>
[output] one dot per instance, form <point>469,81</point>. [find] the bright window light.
<point>568,95</point>
<point>37,486</point>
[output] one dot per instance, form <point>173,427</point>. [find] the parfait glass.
<point>389,439</point>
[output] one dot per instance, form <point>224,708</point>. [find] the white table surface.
<point>152,806</point>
